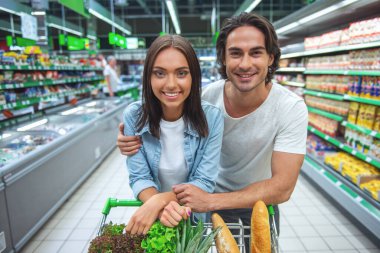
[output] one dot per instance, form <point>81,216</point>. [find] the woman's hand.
<point>173,213</point>
<point>148,213</point>
<point>128,145</point>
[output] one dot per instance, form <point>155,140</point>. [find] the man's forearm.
<point>267,190</point>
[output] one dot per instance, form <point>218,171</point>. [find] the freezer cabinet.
<point>39,183</point>
<point>5,232</point>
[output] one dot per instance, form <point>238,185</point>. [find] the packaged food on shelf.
<point>318,147</point>
<point>371,186</point>
<point>325,125</point>
<point>328,83</point>
<point>364,31</point>
<point>328,105</point>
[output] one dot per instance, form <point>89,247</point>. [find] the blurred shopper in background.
<point>111,76</point>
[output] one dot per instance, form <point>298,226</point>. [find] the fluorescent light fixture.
<point>252,5</point>
<point>315,15</point>
<point>207,58</point>
<point>109,21</point>
<point>32,125</point>
<point>71,111</point>
<point>91,37</point>
<point>59,27</point>
<point>9,11</point>
<point>173,16</point>
<point>4,136</point>
<point>91,104</point>
<point>38,13</point>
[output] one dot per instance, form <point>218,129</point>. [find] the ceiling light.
<point>315,15</point>
<point>109,21</point>
<point>9,10</point>
<point>59,27</point>
<point>38,13</point>
<point>32,125</point>
<point>252,6</point>
<point>173,16</point>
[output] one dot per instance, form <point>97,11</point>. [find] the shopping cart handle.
<point>270,210</point>
<point>113,202</point>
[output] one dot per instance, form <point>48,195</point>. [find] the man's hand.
<point>173,213</point>
<point>128,145</point>
<point>193,197</point>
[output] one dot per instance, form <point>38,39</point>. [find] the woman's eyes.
<point>182,73</point>
<point>159,73</point>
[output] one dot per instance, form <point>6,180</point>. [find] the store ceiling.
<point>145,16</point>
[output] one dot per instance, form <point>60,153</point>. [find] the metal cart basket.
<point>239,228</point>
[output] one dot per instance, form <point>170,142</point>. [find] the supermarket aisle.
<point>309,223</point>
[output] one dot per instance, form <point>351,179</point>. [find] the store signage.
<point>18,41</point>
<point>79,6</point>
<point>29,26</point>
<point>73,43</point>
<point>126,42</point>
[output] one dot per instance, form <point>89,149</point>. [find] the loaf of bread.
<point>260,230</point>
<point>225,242</point>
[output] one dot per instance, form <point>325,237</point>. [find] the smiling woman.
<point>181,135</point>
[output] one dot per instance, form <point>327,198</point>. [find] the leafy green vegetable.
<point>112,240</point>
<point>194,239</point>
<point>160,239</point>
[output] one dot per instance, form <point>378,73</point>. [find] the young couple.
<point>173,139</point>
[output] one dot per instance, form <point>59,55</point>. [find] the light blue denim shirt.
<point>202,154</point>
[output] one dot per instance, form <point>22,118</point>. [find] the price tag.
<point>7,67</point>
<point>368,159</point>
<point>373,133</point>
<point>9,86</point>
<point>18,67</point>
<point>353,152</point>
<point>319,94</point>
<point>312,130</point>
<point>345,72</point>
<point>341,145</point>
<point>344,123</point>
<point>327,137</point>
<point>41,83</point>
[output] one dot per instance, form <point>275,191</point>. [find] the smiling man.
<point>265,125</point>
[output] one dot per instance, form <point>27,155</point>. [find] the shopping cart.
<point>238,227</point>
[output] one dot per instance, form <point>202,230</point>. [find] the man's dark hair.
<point>259,22</point>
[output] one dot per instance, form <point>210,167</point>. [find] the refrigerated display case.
<point>50,157</point>
<point>5,233</point>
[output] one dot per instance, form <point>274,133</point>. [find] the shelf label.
<point>341,145</point>
<point>7,67</point>
<point>373,133</point>
<point>368,159</point>
<point>319,94</point>
<point>41,83</point>
<point>344,123</point>
<point>327,137</point>
<point>353,152</point>
<point>9,86</point>
<point>312,130</point>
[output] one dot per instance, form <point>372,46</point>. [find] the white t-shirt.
<point>114,79</point>
<point>279,124</point>
<point>172,168</point>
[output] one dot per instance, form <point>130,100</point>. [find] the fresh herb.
<point>160,239</point>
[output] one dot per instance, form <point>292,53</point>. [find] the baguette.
<point>260,230</point>
<point>225,242</point>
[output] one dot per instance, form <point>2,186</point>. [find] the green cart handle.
<point>113,202</point>
<point>270,210</point>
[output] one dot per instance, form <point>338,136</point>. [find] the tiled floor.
<point>309,223</point>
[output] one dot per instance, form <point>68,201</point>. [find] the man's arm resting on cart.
<point>276,190</point>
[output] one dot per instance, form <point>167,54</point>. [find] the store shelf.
<point>324,95</point>
<point>31,101</point>
<point>361,129</point>
<point>362,100</point>
<point>291,69</point>
<point>366,212</point>
<point>341,97</point>
<point>19,120</point>
<point>342,72</point>
<point>345,147</point>
<point>49,82</point>
<point>27,67</point>
<point>332,50</point>
<point>294,84</point>
<point>325,114</point>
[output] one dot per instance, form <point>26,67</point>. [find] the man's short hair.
<point>110,58</point>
